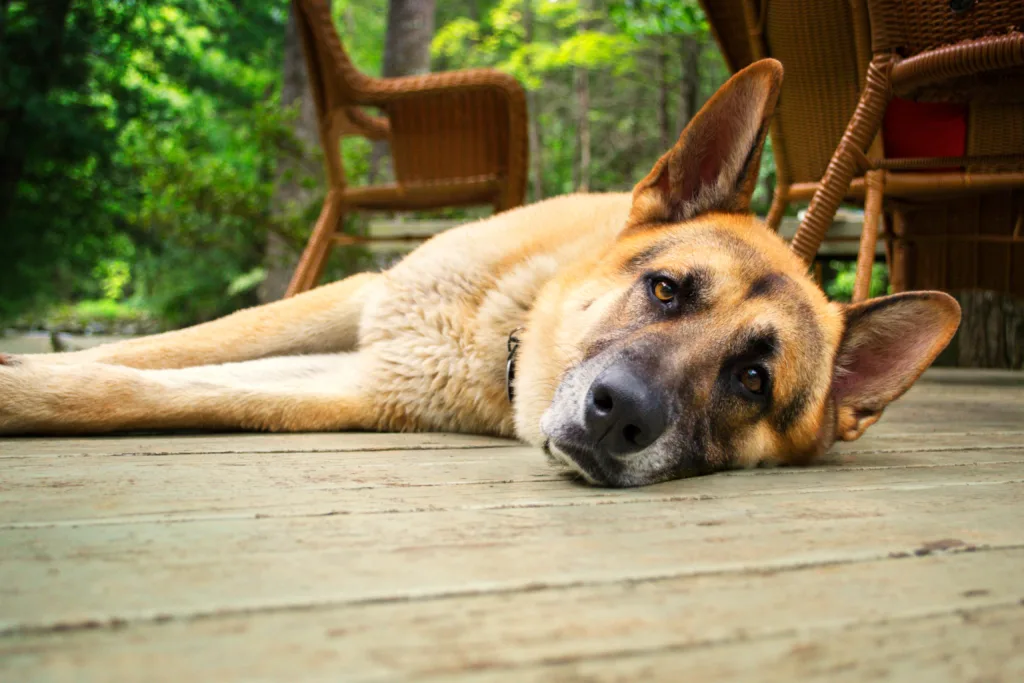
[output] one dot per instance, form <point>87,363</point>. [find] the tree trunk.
<point>410,30</point>
<point>406,53</point>
<point>290,197</point>
<point>582,88</point>
<point>583,128</point>
<point>533,114</point>
<point>689,92</point>
<point>661,72</point>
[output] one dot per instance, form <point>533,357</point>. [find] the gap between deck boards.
<point>164,518</point>
<point>965,616</point>
<point>767,568</point>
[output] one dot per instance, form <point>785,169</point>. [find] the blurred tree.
<point>407,43</point>
<point>57,139</point>
<point>146,120</point>
<point>298,184</point>
<point>156,152</point>
<point>534,132</point>
<point>406,51</point>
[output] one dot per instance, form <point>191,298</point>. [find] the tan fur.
<point>423,345</point>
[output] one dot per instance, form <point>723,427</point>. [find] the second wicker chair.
<point>456,138</point>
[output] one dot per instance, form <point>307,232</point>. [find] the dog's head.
<point>700,342</point>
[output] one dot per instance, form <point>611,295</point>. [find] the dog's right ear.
<point>713,166</point>
<point>888,342</point>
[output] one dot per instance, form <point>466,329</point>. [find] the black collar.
<point>510,363</point>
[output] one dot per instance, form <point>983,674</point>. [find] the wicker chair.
<point>456,138</point>
<point>940,50</point>
<point>844,60</point>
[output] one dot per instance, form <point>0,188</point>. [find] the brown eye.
<point>754,379</point>
<point>664,290</point>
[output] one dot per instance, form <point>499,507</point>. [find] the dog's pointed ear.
<point>888,342</point>
<point>713,166</point>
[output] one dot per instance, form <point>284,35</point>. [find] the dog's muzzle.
<point>602,419</point>
<point>623,413</point>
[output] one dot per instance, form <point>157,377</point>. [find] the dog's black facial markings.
<point>755,345</point>
<point>782,289</point>
<point>691,291</point>
<point>768,286</point>
<point>814,338</point>
<point>753,349</point>
<point>788,413</point>
<point>642,257</point>
<point>695,451</point>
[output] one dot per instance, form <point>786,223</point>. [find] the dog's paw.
<point>10,394</point>
<point>25,395</point>
<point>38,397</point>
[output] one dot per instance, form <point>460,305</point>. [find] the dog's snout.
<point>624,414</point>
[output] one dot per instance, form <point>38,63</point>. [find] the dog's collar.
<point>510,363</point>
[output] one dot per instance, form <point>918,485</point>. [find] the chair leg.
<point>780,202</point>
<point>317,249</point>
<point>505,201</point>
<point>898,269</point>
<point>874,183</point>
<point>863,126</point>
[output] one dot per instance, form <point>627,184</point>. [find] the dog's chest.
<point>438,339</point>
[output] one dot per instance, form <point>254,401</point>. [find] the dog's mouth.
<point>579,460</point>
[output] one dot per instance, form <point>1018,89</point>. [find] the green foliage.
<point>90,313</point>
<point>144,139</point>
<point>646,18</point>
<point>840,287</point>
<point>619,44</point>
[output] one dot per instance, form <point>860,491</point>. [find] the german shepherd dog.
<point>661,334</point>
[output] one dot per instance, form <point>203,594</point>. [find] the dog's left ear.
<point>887,344</point>
<point>713,166</point>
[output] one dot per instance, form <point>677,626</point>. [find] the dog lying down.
<point>660,334</point>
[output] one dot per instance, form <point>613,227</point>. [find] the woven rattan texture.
<point>913,26</point>
<point>730,30</point>
<point>864,124</point>
<point>444,126</point>
<point>965,243</point>
<point>814,42</point>
<point>456,138</point>
<point>996,128</point>
<point>988,68</point>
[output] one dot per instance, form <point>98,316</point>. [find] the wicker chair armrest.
<point>456,125</point>
<point>381,91</point>
<point>363,124</point>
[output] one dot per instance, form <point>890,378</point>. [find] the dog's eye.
<point>754,379</point>
<point>664,290</point>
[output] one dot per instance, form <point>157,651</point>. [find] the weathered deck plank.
<point>381,557</point>
<point>147,570</point>
<point>250,486</point>
<point>616,623</point>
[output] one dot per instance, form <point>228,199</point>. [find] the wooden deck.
<point>384,557</point>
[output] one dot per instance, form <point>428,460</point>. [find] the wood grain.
<point>778,625</point>
<point>447,557</point>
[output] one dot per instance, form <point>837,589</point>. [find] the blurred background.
<point>159,162</point>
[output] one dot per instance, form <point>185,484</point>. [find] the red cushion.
<point>924,129</point>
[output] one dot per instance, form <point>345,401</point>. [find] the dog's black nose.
<point>624,414</point>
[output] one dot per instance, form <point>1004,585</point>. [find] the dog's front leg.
<point>302,393</point>
<point>323,320</point>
